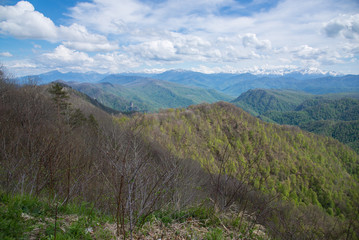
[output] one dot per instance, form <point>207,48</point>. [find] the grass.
<point>27,217</point>
<point>198,222</point>
<point>24,217</point>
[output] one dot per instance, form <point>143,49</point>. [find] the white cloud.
<point>79,33</point>
<point>177,47</point>
<point>22,21</point>
<point>250,39</point>
<point>72,60</point>
<point>24,67</point>
<point>91,47</point>
<point>306,52</point>
<point>67,56</point>
<point>148,34</point>
<point>110,16</point>
<point>316,57</point>
<point>5,54</point>
<point>115,62</point>
<point>158,50</point>
<point>344,25</point>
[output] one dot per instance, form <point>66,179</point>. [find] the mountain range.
<point>143,94</point>
<point>227,83</point>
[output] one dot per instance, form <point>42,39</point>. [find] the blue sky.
<point>114,36</point>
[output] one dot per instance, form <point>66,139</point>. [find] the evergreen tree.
<point>59,96</point>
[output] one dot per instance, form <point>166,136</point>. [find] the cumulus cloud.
<point>24,66</point>
<point>316,57</point>
<point>200,34</point>
<point>5,54</point>
<point>158,50</point>
<point>64,55</point>
<point>307,52</point>
<point>73,60</point>
<point>110,16</point>
<point>91,47</point>
<point>250,39</point>
<point>22,21</point>
<point>344,25</point>
<point>173,31</point>
<point>177,47</point>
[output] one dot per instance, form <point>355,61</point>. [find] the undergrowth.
<point>27,217</point>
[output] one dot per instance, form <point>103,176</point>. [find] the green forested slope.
<point>338,118</point>
<point>300,166</point>
<point>258,101</point>
<point>335,115</point>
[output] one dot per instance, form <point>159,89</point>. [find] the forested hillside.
<point>334,115</point>
<point>210,171</point>
<point>259,101</point>
<point>302,167</point>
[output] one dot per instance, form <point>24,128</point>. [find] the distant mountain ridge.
<point>144,94</point>
<point>48,77</point>
<point>228,83</point>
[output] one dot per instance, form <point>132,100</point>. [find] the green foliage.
<point>59,96</point>
<point>205,214</point>
<point>300,166</point>
<point>338,118</point>
<point>24,216</point>
<point>12,225</point>
<point>334,115</point>
<point>215,234</point>
<point>259,101</point>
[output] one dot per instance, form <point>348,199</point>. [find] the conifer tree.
<point>59,96</point>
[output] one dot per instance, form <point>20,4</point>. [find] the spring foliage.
<point>302,167</point>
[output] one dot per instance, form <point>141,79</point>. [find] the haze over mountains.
<point>230,84</point>
<point>178,88</point>
<point>144,94</point>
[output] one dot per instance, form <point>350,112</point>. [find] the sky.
<point>209,36</point>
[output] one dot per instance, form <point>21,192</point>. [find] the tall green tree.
<point>59,96</point>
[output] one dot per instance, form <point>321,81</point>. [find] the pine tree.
<point>59,96</point>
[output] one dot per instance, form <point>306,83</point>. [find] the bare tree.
<point>138,176</point>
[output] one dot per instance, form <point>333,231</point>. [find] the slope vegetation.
<point>334,115</point>
<point>259,101</point>
<point>300,166</point>
<point>335,118</point>
<point>62,158</point>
